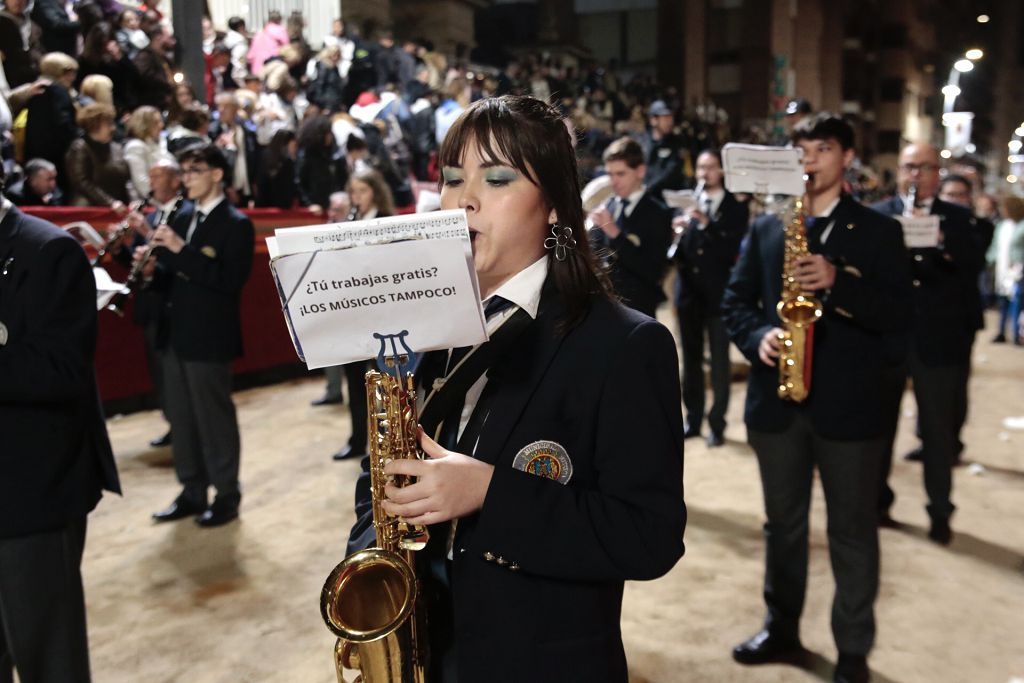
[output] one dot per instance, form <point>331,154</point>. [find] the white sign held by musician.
<point>758,169</point>
<point>339,284</point>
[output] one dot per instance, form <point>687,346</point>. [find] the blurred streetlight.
<point>974,54</point>
<point>963,65</point>
<point>983,18</point>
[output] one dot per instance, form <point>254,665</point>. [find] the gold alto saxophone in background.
<point>370,600</point>
<point>798,310</point>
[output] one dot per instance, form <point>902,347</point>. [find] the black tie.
<point>450,427</point>
<point>815,226</point>
<point>707,207</point>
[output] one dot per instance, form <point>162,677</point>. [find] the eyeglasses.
<point>920,168</point>
<point>195,170</point>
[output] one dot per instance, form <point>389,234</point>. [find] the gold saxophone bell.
<point>369,601</point>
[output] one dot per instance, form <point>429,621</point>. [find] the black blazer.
<point>251,151</point>
<point>705,257</point>
<point>201,285</point>
<point>56,456</point>
<point>947,303</point>
<point>862,332</point>
<point>638,255</point>
<point>549,608</point>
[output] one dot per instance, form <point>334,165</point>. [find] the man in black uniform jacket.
<point>858,269</point>
<point>56,457</point>
<point>946,315</point>
<point>706,253</point>
<point>202,262</point>
<point>635,227</point>
<point>666,155</point>
<point>38,187</point>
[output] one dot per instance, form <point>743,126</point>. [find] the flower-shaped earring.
<point>561,241</point>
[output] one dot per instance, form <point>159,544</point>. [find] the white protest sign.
<point>920,232</point>
<point>758,169</point>
<point>680,199</point>
<point>335,299</point>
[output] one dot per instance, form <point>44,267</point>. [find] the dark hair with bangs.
<point>532,137</point>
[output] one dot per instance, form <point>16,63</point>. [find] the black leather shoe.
<point>915,455</point>
<point>326,400</point>
<point>180,509</point>
<point>851,669</point>
<point>940,532</point>
<point>347,453</point>
<point>162,441</point>
<point>766,647</point>
<point>220,513</point>
<point>999,339</point>
<point>691,432</point>
<point>715,439</point>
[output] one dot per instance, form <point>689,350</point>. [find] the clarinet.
<point>681,230</point>
<point>131,285</point>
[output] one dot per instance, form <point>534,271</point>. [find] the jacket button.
<point>696,269</point>
<point>917,283</point>
<point>918,257</point>
<point>700,252</point>
<point>849,226</point>
<point>489,556</point>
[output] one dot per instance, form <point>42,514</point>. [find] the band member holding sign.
<point>945,318</point>
<point>856,266</point>
<point>371,198</point>
<point>202,262</point>
<point>543,488</point>
<point>55,459</point>
<point>706,252</point>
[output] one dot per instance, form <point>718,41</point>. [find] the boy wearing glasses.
<point>202,261</point>
<point>945,318</point>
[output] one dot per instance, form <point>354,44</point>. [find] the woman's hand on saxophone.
<point>448,485</point>
<point>768,349</point>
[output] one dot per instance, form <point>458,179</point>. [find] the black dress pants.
<point>849,477</point>
<point>938,391</point>
<point>42,607</point>
<point>693,322</point>
<point>355,374</point>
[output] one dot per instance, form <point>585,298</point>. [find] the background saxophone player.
<point>857,268</point>
<point>555,449</point>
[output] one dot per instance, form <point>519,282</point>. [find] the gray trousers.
<point>202,415</point>
<point>849,477</point>
<point>941,406</point>
<point>692,323</point>
<point>42,607</point>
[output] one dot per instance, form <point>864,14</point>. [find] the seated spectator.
<point>102,55</point>
<point>319,169</point>
<point>96,88</point>
<point>20,41</point>
<point>328,87</point>
<point>276,111</point>
<point>50,127</point>
<point>144,146</point>
<point>275,185</point>
<point>38,187</point>
<point>193,126</point>
<point>98,175</point>
<point>129,34</point>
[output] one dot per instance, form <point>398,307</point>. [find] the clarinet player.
<point>857,268</point>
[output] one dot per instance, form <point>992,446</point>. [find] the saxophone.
<point>369,600</point>
<point>798,310</point>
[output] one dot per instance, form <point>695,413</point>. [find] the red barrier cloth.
<point>120,353</point>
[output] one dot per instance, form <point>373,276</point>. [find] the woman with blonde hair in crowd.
<point>96,88</point>
<point>144,146</point>
<point>50,127</point>
<point>97,172</point>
